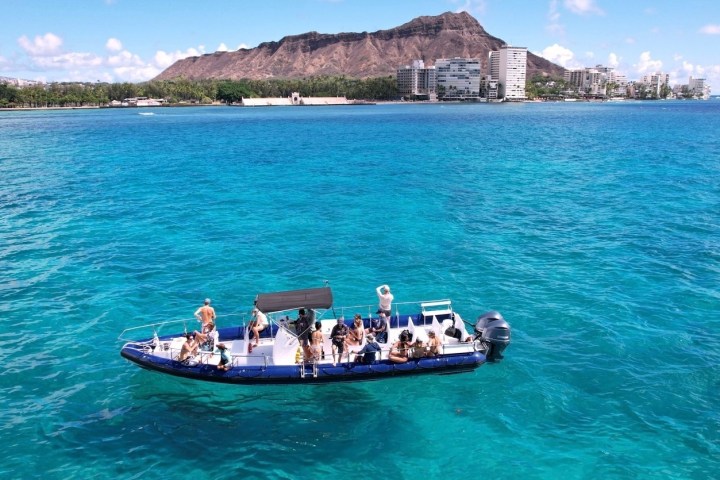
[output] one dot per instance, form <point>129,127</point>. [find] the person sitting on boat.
<point>224,363</point>
<point>206,338</point>
<point>385,299</point>
<point>417,350</point>
<point>357,333</point>
<point>205,314</point>
<point>434,344</point>
<point>189,349</point>
<point>399,351</point>
<point>258,323</point>
<point>337,337</point>
<point>368,353</point>
<point>378,327</point>
<point>316,343</point>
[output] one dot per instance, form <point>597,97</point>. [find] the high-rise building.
<point>416,80</point>
<point>512,72</point>
<point>458,78</point>
<point>698,88</point>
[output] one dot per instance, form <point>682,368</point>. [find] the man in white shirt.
<point>385,298</point>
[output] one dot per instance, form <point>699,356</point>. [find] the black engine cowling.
<point>494,332</point>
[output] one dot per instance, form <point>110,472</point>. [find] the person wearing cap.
<point>378,327</point>
<point>337,338</point>
<point>367,354</point>
<point>385,298</point>
<point>257,324</point>
<point>205,314</point>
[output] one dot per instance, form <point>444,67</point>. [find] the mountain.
<point>358,55</point>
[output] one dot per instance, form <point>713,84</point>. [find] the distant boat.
<point>146,113</point>
<point>279,359</point>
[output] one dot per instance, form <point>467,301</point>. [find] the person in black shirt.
<point>337,337</point>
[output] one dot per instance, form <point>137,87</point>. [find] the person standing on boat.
<point>257,324</point>
<point>303,330</point>
<point>337,337</point>
<point>385,299</point>
<point>317,343</point>
<point>206,313</point>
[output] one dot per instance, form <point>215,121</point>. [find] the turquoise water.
<point>594,228</point>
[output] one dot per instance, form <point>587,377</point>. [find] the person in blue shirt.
<point>379,326</point>
<point>367,354</point>
<point>224,363</point>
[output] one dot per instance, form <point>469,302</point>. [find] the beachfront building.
<point>655,85</point>
<point>416,81</point>
<point>597,81</point>
<point>513,72</point>
<point>507,68</point>
<point>698,88</point>
<point>458,78</point>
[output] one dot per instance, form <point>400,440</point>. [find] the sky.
<point>135,40</point>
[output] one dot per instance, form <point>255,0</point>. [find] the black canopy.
<point>306,298</point>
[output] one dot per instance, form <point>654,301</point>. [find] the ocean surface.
<point>594,229</point>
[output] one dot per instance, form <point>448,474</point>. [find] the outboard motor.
<point>493,332</point>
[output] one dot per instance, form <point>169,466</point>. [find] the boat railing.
<point>427,308</point>
<point>154,328</point>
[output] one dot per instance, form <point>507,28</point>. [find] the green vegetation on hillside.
<point>188,91</point>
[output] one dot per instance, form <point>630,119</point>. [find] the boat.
<point>278,357</point>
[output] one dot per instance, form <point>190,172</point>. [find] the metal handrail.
<point>157,325</point>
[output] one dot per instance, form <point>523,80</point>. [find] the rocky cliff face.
<point>358,55</point>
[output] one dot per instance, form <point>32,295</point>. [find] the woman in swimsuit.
<point>357,332</point>
<point>317,343</point>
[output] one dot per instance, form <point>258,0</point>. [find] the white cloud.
<point>647,64</point>
<point>221,48</point>
<point>48,44</point>
<point>242,46</point>
<point>164,59</point>
<point>68,61</point>
<point>114,45</point>
<point>136,74</point>
<point>560,55</point>
<point>710,30</point>
<point>125,59</point>
<point>583,7</point>
<point>613,60</point>
<point>554,27</point>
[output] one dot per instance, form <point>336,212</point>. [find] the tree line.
<point>182,90</point>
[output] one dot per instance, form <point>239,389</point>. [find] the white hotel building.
<point>508,66</point>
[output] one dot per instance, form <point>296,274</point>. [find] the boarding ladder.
<point>303,369</point>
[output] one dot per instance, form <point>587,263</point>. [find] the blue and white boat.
<point>278,358</point>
